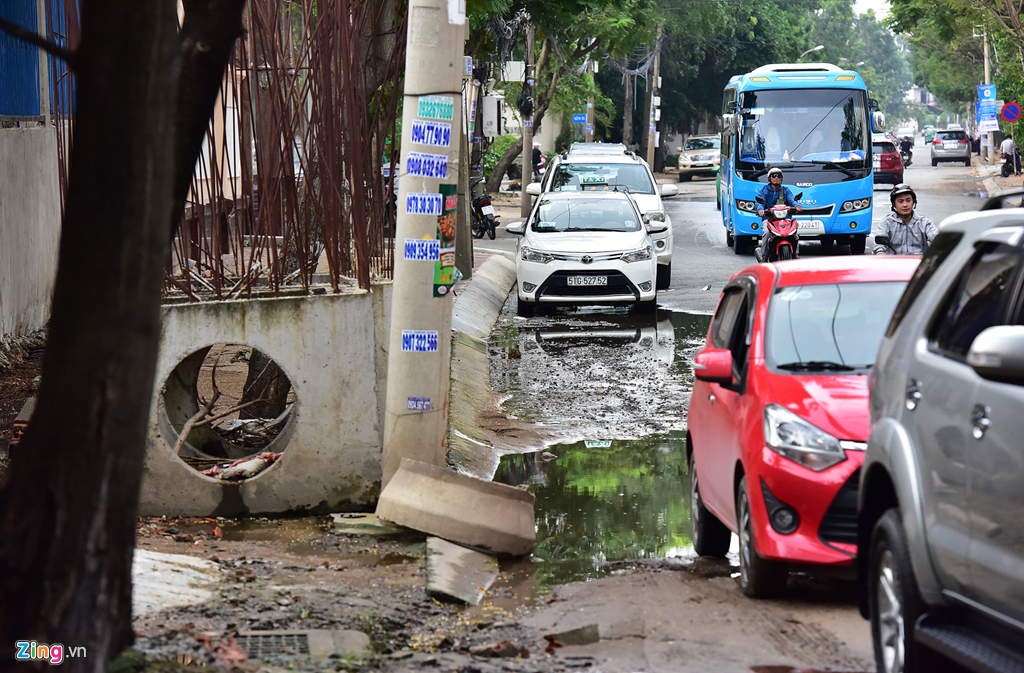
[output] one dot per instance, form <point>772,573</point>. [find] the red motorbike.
<point>782,233</point>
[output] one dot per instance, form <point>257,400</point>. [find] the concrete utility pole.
<point>416,411</point>
<point>463,232</point>
<point>526,201</point>
<point>988,80</point>
<point>655,96</point>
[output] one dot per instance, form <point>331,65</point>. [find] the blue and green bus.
<point>814,121</point>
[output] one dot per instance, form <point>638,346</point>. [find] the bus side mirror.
<point>877,122</point>
<point>731,123</point>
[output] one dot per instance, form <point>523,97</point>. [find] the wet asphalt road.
<point>617,385</point>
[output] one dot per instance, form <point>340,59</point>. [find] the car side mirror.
<point>881,239</point>
<point>669,190</point>
<point>533,189</point>
<point>517,228</point>
<point>997,354</point>
<point>714,365</point>
<point>654,226</point>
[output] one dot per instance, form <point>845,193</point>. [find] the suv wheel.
<point>759,578</point>
<point>709,535</point>
<point>893,601</point>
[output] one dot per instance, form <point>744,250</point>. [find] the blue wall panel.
<point>19,62</point>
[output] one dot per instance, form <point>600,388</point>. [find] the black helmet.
<point>902,188</point>
<point>775,171</point>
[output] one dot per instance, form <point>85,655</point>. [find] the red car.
<point>778,421</point>
<point>886,161</point>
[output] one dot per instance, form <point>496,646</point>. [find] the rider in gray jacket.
<point>908,233</point>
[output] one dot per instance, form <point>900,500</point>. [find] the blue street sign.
<point>579,118</point>
<point>987,92</point>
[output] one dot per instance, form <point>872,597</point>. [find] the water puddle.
<point>597,372</point>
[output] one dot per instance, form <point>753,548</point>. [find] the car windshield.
<point>702,143</point>
<point>583,214</point>
<point>826,127</point>
<point>951,135</point>
<point>829,327</point>
<point>576,176</point>
<point>883,148</point>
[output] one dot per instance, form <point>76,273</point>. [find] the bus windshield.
<point>805,128</point>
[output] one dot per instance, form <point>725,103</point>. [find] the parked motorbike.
<point>783,240</point>
<point>482,214</point>
<point>1008,168</point>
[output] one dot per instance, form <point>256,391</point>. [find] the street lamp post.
<point>818,48</point>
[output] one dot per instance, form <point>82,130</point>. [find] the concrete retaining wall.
<point>334,350</point>
<point>29,227</point>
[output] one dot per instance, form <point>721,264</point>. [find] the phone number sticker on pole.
<point>436,107</point>
<point>427,165</point>
<point>423,204</point>
<point>437,134</point>
<point>419,341</point>
<point>422,249</point>
<point>418,404</point>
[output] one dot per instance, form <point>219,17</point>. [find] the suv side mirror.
<point>669,190</point>
<point>997,354</point>
<point>517,228</point>
<point>533,189</point>
<point>881,239</point>
<point>714,365</point>
<point>654,226</point>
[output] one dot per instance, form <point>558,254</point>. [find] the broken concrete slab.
<point>162,581</point>
<point>585,635</point>
<point>473,512</point>
<point>455,573</point>
<point>364,523</point>
<point>315,643</point>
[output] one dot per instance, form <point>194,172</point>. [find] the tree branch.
<point>35,40</point>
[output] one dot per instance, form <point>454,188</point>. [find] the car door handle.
<point>980,421</point>
<point>913,394</point>
<point>711,399</point>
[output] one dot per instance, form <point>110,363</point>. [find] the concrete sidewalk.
<point>996,183</point>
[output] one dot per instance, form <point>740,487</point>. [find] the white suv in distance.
<point>619,168</point>
<point>585,247</point>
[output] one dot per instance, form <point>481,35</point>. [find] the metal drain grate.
<point>273,644</point>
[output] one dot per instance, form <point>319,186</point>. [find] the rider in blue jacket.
<point>771,194</point>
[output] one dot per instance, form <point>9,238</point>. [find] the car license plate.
<point>588,280</point>
<point>950,146</point>
<point>811,226</point>
<point>487,210</point>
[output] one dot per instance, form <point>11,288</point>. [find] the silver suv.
<point>941,503</point>
<point>588,165</point>
<point>951,145</point>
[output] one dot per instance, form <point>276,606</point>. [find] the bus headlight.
<point>855,205</point>
<point>748,206</point>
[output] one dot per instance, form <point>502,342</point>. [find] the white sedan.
<point>586,247</point>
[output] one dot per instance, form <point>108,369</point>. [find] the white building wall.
<point>29,227</point>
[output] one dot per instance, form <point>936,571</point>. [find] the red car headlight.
<point>793,438</point>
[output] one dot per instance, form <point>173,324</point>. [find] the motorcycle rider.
<point>772,194</point>
<point>1009,149</point>
<point>909,233</point>
<point>907,146</point>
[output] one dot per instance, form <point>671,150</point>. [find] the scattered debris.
<point>505,648</point>
<point>585,635</point>
<point>243,468</point>
<point>455,573</point>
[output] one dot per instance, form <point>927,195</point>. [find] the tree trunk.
<point>494,184</point>
<point>68,502</point>
<point>627,108</point>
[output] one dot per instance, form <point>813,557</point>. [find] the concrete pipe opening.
<point>236,408</point>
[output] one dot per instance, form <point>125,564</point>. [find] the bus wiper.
<point>768,167</point>
<point>830,164</point>
<point>818,365</point>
